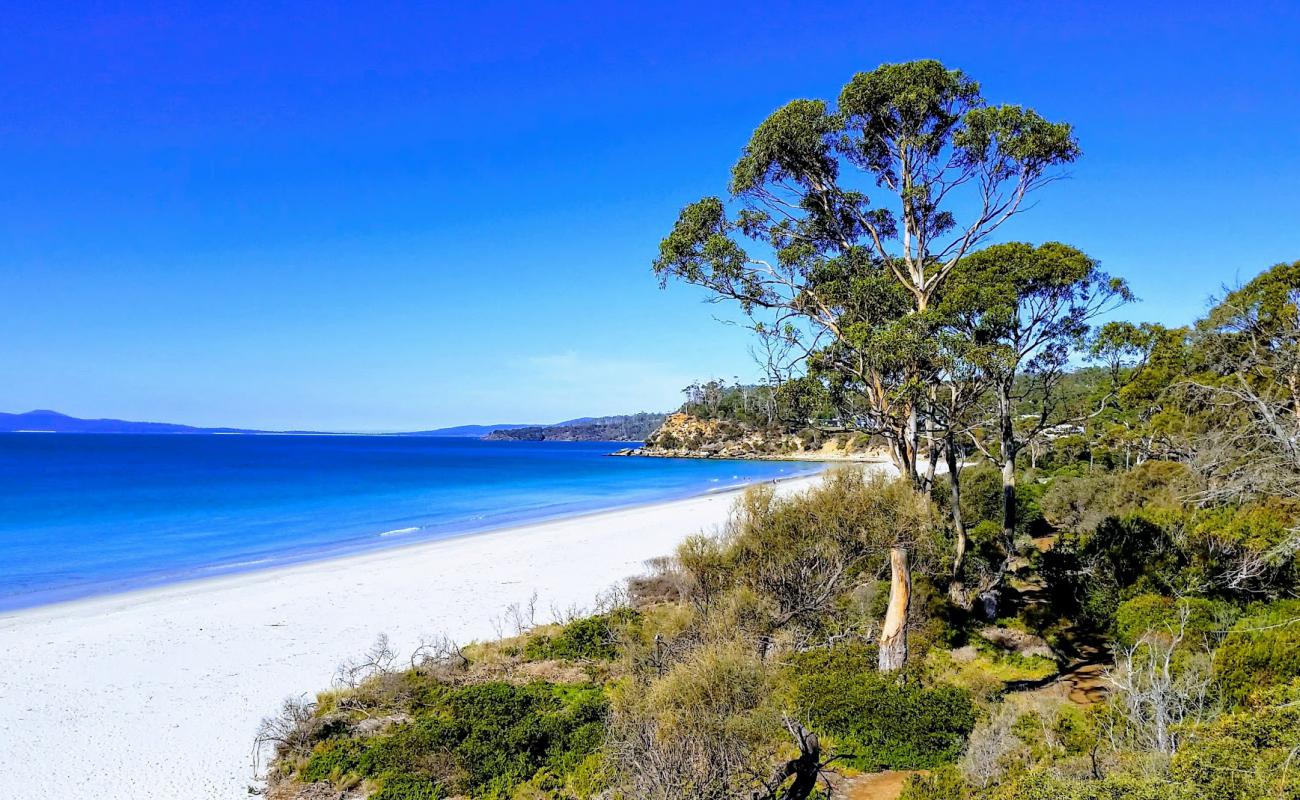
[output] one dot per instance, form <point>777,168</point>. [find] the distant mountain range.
<point>582,428</point>
<point>54,422</point>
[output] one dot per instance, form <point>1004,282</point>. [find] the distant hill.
<point>582,428</point>
<point>619,428</point>
<point>54,422</point>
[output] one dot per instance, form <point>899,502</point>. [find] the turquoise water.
<point>84,514</point>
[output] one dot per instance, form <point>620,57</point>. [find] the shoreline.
<point>161,690</point>
<point>813,457</point>
<point>307,561</point>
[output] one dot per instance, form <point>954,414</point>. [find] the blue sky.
<point>392,216</point>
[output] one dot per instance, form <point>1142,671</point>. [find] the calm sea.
<point>91,514</point>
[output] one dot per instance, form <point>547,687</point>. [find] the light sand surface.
<point>158,694</point>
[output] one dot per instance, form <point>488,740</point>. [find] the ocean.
<point>91,514</point>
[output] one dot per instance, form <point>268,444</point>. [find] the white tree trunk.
<point>893,636</point>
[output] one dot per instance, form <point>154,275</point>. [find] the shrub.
<point>1078,504</point>
<point>1247,754</point>
<point>704,729</point>
<point>408,787</point>
<point>1090,574</point>
<point>944,783</point>
<point>981,495</point>
<point>799,553</point>
<point>482,740</point>
<point>1160,615</point>
<point>593,638</point>
<point>1261,650</point>
<point>876,720</point>
<point>1117,786</point>
<point>809,438</point>
<point>1246,548</point>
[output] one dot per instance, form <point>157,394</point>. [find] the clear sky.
<point>373,216</point>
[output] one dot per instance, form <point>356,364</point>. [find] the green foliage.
<point>1164,616</point>
<point>1092,574</point>
<point>1267,304</point>
<point>398,786</point>
<point>703,728</point>
<point>943,783</point>
<point>1080,504</point>
<point>981,495</point>
<point>796,554</point>
<point>876,720</point>
<point>990,289</point>
<point>1261,650</point>
<point>981,501</point>
<point>1246,754</point>
<point>482,740</point>
<point>1117,786</point>
<point>593,638</point>
<point>1136,532</point>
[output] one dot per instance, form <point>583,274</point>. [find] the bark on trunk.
<point>1009,449</point>
<point>957,588</point>
<point>893,636</point>
<point>1009,502</point>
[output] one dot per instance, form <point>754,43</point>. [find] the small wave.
<point>731,487</point>
<point>399,532</point>
<point>235,565</point>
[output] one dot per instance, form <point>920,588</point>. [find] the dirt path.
<point>887,785</point>
<point>1082,679</point>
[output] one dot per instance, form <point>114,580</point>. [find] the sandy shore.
<point>158,694</point>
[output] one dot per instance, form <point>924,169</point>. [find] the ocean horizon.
<point>83,515</point>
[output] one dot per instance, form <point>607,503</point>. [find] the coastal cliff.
<point>685,435</point>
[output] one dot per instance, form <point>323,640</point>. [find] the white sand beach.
<point>158,694</point>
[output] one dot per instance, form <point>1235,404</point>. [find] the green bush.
<point>981,495</point>
<point>1162,616</point>
<point>787,551</point>
<point>483,740</point>
<point>944,783</point>
<point>878,721</point>
<point>408,787</point>
<point>1090,574</point>
<point>1078,504</point>
<point>1260,651</point>
<point>1247,754</point>
<point>1117,786</point>
<point>592,638</point>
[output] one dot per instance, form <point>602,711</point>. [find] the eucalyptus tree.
<point>845,222</point>
<point>1247,354</point>
<point>836,212</point>
<point>1141,414</point>
<point>952,411</point>
<point>1023,311</point>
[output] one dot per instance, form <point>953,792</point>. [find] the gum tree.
<point>844,222</point>
<point>1022,311</point>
